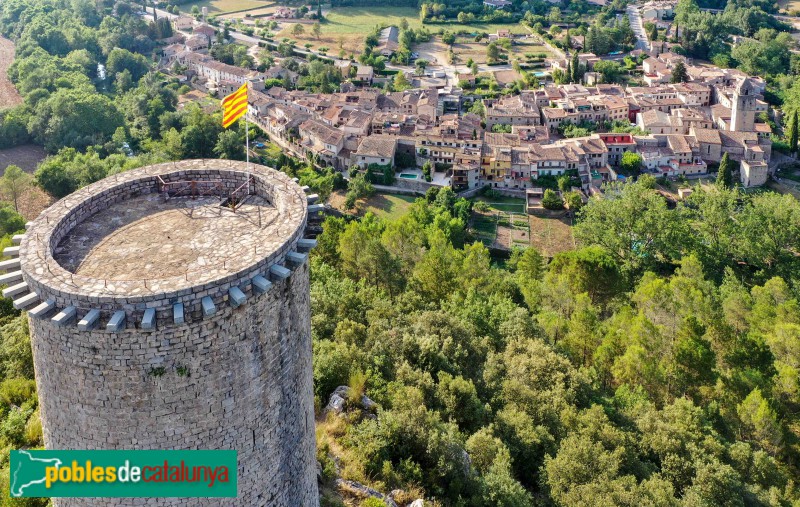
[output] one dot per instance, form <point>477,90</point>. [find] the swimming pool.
<point>407,176</point>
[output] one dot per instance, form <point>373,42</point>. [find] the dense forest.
<point>657,364</point>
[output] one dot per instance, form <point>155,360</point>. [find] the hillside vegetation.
<point>656,365</point>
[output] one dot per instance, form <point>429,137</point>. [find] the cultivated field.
<point>504,225</point>
<point>216,7</point>
<point>8,94</point>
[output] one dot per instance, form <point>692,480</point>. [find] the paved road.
<point>638,29</point>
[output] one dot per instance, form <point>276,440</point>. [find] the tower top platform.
<point>163,233</point>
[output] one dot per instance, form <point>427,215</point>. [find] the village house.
<point>182,23</point>
<point>218,74</point>
<point>322,140</point>
<point>689,125</point>
<point>197,43</point>
<point>206,31</point>
<point>497,4</point>
<point>658,10</point>
<point>413,102</point>
<point>388,41</point>
<point>617,144</point>
<point>512,110</point>
<point>376,149</point>
<point>465,176</point>
<point>285,12</point>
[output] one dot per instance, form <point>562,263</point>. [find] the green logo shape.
<point>123,474</point>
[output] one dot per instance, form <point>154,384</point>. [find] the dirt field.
<point>506,77</point>
<point>550,235</point>
<point>33,202</point>
<point>789,5</point>
<point>8,94</point>
<point>435,52</point>
<point>466,48</point>
<point>26,157</point>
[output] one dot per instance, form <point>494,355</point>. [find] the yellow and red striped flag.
<point>234,106</point>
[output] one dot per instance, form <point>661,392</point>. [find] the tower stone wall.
<point>743,110</point>
<point>204,343</point>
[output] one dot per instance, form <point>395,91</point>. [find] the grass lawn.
<point>223,6</point>
<point>485,224</point>
<point>347,26</point>
<point>529,46</point>
<point>503,203</point>
<point>362,20</point>
<point>388,206</point>
<point>484,228</point>
<point>261,12</point>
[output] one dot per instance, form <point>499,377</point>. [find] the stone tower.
<point>743,110</point>
<point>164,317</point>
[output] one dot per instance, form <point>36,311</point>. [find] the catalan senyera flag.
<point>234,106</point>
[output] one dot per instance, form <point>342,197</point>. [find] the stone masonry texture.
<point>238,379</point>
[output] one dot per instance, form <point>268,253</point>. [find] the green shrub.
<point>552,200</point>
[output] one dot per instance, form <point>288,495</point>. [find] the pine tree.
<point>793,133</point>
<point>576,68</point>
<point>653,34</point>
<point>590,40</point>
<point>725,173</point>
<point>679,74</point>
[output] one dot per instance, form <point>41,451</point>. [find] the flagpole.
<point>247,141</point>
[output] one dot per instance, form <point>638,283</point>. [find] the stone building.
<point>169,308</point>
<point>743,109</point>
